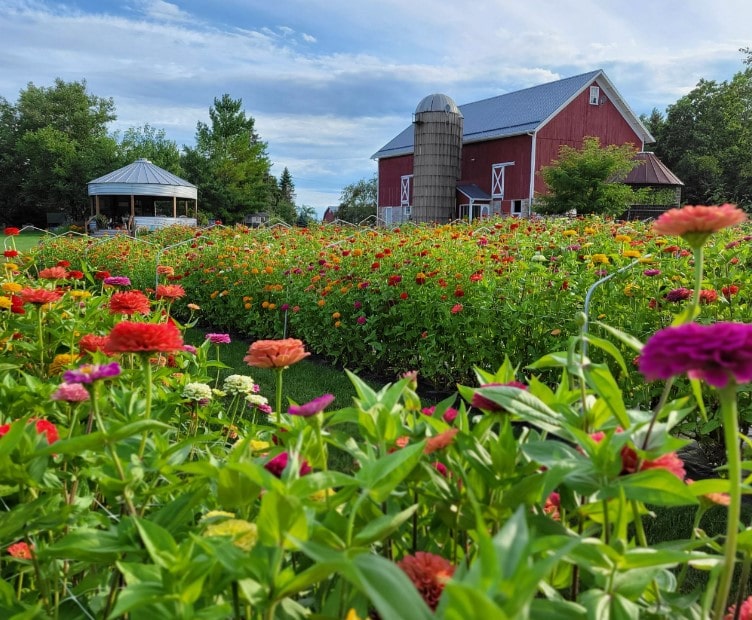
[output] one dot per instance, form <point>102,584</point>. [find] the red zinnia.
<point>12,231</point>
<point>101,275</point>
<point>129,303</point>
<point>170,291</point>
<point>92,343</point>
<point>47,428</point>
<point>38,296</point>
<point>131,337</point>
<point>10,253</point>
<point>429,573</point>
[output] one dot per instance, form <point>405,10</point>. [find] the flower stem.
<point>731,435</point>
<point>146,365</point>
<point>278,393</point>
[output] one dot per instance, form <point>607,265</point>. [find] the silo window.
<point>595,95</point>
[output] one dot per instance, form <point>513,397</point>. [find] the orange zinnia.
<point>275,353</point>
<point>170,291</point>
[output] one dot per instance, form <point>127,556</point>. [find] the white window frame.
<point>405,182</point>
<point>516,212</point>
<point>387,213</point>
<point>497,179</point>
<point>595,95</point>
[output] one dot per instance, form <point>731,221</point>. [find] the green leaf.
<point>460,601</point>
<point>380,477</point>
<point>159,543</point>
<point>551,360</point>
<point>609,348</point>
<point>604,384</point>
<point>654,486</point>
<point>380,528</point>
<point>624,337</point>
<point>281,519</point>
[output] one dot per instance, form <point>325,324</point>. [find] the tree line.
<point>54,140</point>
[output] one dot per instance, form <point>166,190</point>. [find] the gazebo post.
<point>96,204</point>
<point>133,206</point>
<point>174,206</point>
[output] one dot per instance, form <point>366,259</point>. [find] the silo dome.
<point>437,103</point>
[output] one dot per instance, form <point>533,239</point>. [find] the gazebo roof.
<point>142,178</point>
<point>652,171</point>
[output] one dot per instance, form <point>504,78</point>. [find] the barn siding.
<point>577,121</point>
<point>391,170</point>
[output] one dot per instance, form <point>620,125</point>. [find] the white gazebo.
<point>142,194</point>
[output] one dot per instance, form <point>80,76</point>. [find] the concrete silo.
<point>436,159</point>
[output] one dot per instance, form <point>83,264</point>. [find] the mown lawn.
<point>25,241</point>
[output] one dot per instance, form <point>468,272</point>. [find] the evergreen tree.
<point>229,163</point>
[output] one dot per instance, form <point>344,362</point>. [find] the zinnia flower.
<point>678,294</point>
<point>552,505</point>
<point>12,231</point>
<point>10,253</point>
<point>71,393</point>
<point>745,613</point>
<point>88,373</point>
<point>38,296</point>
<point>218,338</point>
<point>170,291</point>
<point>440,441</point>
<point>53,273</point>
<point>92,343</point>
<point>19,550</point>
<point>429,574</point>
<point>708,296</point>
<point>117,280</point>
<point>715,353</point>
<point>199,392</point>
<point>275,353</point>
<point>59,362</point>
<point>278,464</point>
<point>48,429</point>
<point>311,408</point>
<point>695,224</point>
<point>651,272</point>
<point>239,384</point>
<point>243,533</point>
<point>129,303</point>
<point>131,337</point>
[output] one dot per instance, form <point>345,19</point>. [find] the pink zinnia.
<point>38,296</point>
<point>71,393</point>
<point>745,613</point>
<point>715,353</point>
<point>311,408</point>
<point>429,574</point>
<point>218,338</point>
<point>696,223</point>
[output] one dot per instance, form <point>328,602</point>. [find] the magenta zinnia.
<point>317,405</point>
<point>88,373</point>
<point>714,353</point>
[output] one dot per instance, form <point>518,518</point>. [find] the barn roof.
<point>520,112</point>
<point>142,178</point>
<point>652,171</point>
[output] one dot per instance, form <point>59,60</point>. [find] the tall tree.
<point>229,164</point>
<point>357,201</point>
<point>588,180</point>
<point>707,141</point>
<point>654,124</point>
<point>152,144</point>
<point>286,186</point>
<point>54,141</point>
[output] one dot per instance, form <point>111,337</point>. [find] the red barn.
<point>505,140</point>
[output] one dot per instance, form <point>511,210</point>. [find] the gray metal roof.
<point>142,178</point>
<point>519,112</point>
<point>472,191</point>
<point>437,103</point>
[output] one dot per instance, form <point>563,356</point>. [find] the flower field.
<point>133,481</point>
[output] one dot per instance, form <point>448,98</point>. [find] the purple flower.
<point>651,272</point>
<point>71,393</point>
<point>189,348</point>
<point>361,320</point>
<point>117,281</point>
<point>574,247</point>
<point>679,294</point>
<point>714,353</point>
<point>601,273</point>
<point>317,405</point>
<point>218,338</point>
<point>89,373</point>
<point>357,305</point>
<point>284,307</point>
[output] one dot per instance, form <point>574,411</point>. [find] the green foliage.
<point>706,140</point>
<point>54,141</point>
<point>588,180</point>
<point>229,163</point>
<point>358,201</point>
<point>149,143</point>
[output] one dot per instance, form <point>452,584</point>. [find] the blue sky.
<point>329,82</point>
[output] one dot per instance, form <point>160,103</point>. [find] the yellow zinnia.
<point>631,254</point>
